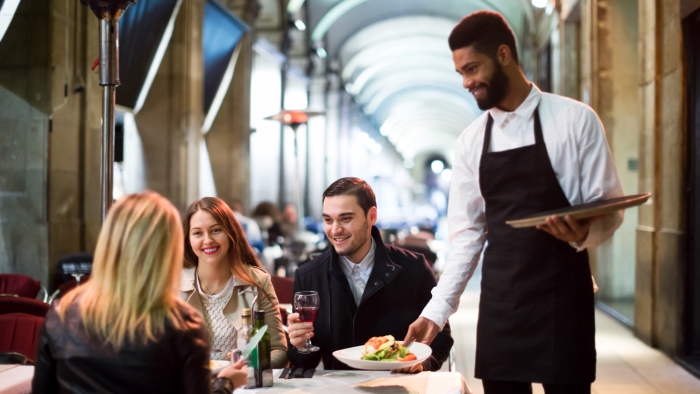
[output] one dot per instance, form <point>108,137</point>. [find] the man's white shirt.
<point>358,274</point>
<point>580,157</point>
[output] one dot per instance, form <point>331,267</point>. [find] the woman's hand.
<point>299,332</point>
<point>237,373</point>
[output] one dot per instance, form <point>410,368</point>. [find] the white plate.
<point>353,358</point>
<point>218,366</point>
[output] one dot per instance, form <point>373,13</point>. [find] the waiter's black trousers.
<point>503,387</point>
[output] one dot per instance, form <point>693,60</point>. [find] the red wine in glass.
<point>306,303</point>
<point>307,314</point>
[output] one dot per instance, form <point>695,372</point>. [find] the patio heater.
<point>294,119</point>
<point>108,12</point>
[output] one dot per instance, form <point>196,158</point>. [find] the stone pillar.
<point>661,229</point>
<point>50,139</point>
<point>76,138</point>
<point>171,119</point>
<point>228,140</point>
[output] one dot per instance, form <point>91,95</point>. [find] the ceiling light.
<point>540,3</point>
<point>300,25</point>
<point>446,174</point>
<point>437,166</point>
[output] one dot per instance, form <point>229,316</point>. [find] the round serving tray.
<point>583,211</point>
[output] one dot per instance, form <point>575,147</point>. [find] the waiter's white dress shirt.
<point>580,157</point>
<point>358,274</point>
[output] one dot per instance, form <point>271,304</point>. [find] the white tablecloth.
<point>346,382</point>
<point>17,380</point>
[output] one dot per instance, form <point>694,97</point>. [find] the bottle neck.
<point>246,321</point>
<point>259,323</point>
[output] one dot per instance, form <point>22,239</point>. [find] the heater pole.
<point>108,12</point>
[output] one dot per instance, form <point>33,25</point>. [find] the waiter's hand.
<point>422,330</point>
<point>569,229</point>
<point>414,369</point>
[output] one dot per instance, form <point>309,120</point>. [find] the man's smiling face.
<point>347,226</point>
<point>482,75</point>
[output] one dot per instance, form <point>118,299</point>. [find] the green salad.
<point>386,348</point>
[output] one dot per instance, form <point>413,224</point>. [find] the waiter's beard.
<point>495,89</point>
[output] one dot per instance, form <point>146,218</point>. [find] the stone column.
<point>661,230</point>
<point>228,140</point>
<point>171,119</point>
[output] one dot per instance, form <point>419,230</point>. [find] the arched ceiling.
<point>394,59</point>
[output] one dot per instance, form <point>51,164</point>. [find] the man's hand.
<point>569,229</point>
<point>414,369</point>
<point>299,332</point>
<point>422,330</point>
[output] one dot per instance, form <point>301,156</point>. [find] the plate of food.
<point>384,353</point>
<point>217,365</point>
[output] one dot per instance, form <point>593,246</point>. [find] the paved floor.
<point>625,364</point>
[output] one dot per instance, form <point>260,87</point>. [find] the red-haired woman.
<point>219,266</point>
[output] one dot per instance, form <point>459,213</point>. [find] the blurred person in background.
<point>268,217</point>
<point>125,331</point>
<point>290,222</point>
<point>219,264</point>
<point>250,226</point>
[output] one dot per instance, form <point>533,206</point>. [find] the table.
<point>346,382</point>
<point>16,380</point>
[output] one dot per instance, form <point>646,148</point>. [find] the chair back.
<point>77,263</point>
<point>283,288</point>
<point>28,306</point>
<point>19,333</point>
<point>21,285</point>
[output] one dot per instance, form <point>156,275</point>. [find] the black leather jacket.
<point>69,360</point>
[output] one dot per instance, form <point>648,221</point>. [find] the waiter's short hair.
<point>353,187</point>
<point>486,31</point>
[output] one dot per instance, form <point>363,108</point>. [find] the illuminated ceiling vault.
<point>394,59</point>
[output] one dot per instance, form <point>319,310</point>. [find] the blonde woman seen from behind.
<point>125,331</point>
<point>222,273</point>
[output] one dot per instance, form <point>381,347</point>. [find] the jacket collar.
<point>383,273</point>
<point>188,277</point>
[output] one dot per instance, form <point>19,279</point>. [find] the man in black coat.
<point>366,288</point>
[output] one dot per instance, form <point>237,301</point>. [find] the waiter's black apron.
<point>536,321</point>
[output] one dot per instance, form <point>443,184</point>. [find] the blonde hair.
<point>137,265</point>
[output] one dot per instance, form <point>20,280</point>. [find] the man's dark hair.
<point>353,187</point>
<point>486,31</point>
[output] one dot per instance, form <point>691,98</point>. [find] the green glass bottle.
<point>261,356</point>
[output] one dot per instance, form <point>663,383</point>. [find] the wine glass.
<point>306,303</point>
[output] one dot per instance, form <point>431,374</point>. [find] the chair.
<point>283,288</point>
<point>19,333</point>
<point>73,264</point>
<point>21,286</point>
<point>28,306</point>
<point>66,287</point>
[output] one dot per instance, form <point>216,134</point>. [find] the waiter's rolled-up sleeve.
<point>599,179</point>
<point>467,231</point>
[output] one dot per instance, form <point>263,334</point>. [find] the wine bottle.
<point>263,375</point>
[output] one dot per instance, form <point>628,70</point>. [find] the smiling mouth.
<point>211,250</point>
<point>478,92</point>
<point>340,239</point>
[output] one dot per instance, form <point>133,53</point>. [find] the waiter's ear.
<point>372,216</point>
<point>503,55</point>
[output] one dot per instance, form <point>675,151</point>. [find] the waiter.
<point>529,152</point>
